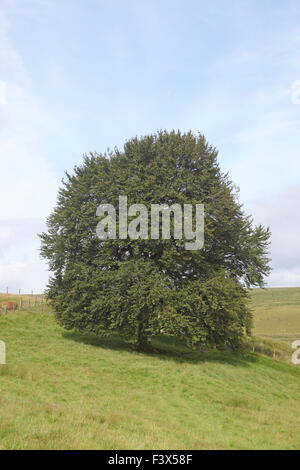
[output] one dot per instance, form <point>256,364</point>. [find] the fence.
<point>35,303</point>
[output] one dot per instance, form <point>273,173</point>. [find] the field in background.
<point>277,313</point>
<point>62,390</point>
<point>36,303</point>
<point>276,320</point>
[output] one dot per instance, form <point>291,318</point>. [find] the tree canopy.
<point>144,287</point>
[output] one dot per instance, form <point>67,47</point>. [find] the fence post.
<point>5,311</point>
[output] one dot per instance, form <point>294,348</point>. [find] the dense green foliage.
<point>145,287</point>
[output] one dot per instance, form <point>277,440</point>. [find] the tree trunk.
<point>143,344</point>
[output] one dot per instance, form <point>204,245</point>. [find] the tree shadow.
<point>113,342</point>
<point>166,348</point>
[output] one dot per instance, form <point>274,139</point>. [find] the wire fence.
<point>10,303</point>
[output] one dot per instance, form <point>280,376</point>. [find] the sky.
<point>85,75</point>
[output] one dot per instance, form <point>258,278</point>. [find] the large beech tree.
<point>143,288</point>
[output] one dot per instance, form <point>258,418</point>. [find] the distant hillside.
<point>277,317</point>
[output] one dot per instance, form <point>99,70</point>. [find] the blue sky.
<point>85,75</point>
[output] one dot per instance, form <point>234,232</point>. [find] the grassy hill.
<point>276,320</point>
<point>61,390</point>
<point>277,313</point>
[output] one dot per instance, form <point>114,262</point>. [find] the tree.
<point>146,287</point>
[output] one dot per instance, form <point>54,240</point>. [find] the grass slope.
<point>277,313</point>
<point>60,390</point>
<point>276,320</point>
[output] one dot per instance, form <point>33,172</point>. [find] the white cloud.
<point>29,276</point>
<point>282,215</point>
<point>28,185</point>
<point>2,93</point>
<point>285,278</point>
<point>20,264</point>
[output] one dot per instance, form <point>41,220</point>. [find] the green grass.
<point>62,390</point>
<point>277,316</point>
<point>27,300</point>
